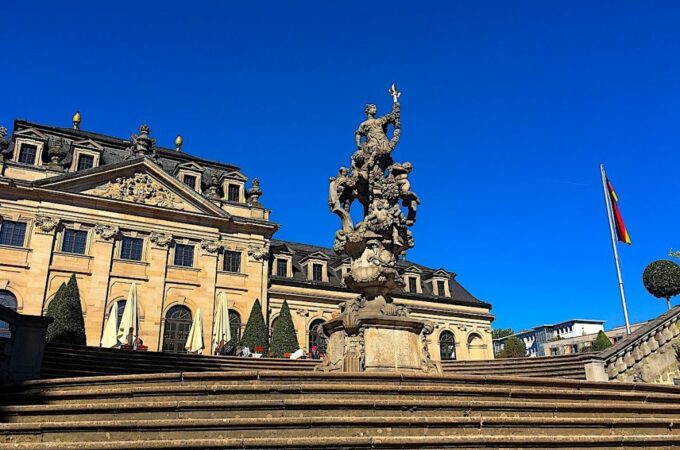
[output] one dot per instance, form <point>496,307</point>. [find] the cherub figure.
<point>400,172</point>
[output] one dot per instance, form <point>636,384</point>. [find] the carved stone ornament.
<point>139,188</point>
<point>210,246</point>
<point>160,239</point>
<point>106,232</point>
<point>259,253</point>
<point>143,143</point>
<point>57,152</point>
<point>254,193</point>
<point>46,224</point>
<point>5,150</point>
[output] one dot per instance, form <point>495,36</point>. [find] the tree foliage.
<point>514,348</point>
<point>68,326</point>
<point>662,279</point>
<point>255,334</point>
<point>284,339</point>
<point>502,332</point>
<point>602,342</point>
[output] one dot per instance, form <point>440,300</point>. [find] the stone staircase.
<point>313,410</point>
<point>565,366</point>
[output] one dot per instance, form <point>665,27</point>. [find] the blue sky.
<point>507,110</point>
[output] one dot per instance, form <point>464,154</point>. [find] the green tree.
<point>502,332</point>
<point>284,339</point>
<point>514,348</point>
<point>68,326</point>
<point>255,334</point>
<point>602,342</point>
<point>662,279</point>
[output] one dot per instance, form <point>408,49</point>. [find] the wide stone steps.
<point>305,409</point>
<point>566,366</point>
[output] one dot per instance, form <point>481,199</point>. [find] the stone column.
<point>94,291</point>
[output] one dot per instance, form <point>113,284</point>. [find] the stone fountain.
<point>372,333</point>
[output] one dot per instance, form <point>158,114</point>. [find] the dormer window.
<point>281,267</point>
<point>234,193</point>
<point>412,278</point>
<point>412,284</point>
<point>27,153</point>
<point>85,162</point>
<point>441,288</point>
<point>189,180</point>
<point>317,272</point>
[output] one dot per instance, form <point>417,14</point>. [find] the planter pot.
<point>287,355</point>
<point>259,349</point>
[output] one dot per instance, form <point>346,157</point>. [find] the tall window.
<point>234,193</point>
<point>27,153</point>
<point>85,162</point>
<point>235,325</point>
<point>316,336</point>
<point>317,272</point>
<point>232,261</point>
<point>282,267</point>
<point>131,248</point>
<point>184,255</point>
<point>190,181</point>
<point>8,300</point>
<point>177,326</point>
<point>120,309</point>
<point>441,291</point>
<point>447,346</point>
<point>12,233</point>
<point>75,241</point>
<point>412,287</point>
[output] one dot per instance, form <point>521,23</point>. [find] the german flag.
<point>621,232</point>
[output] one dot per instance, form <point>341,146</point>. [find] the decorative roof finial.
<point>142,144</point>
<point>76,121</point>
<point>5,151</point>
<point>254,193</point>
<point>178,143</point>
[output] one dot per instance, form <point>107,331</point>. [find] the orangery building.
<point>184,230</point>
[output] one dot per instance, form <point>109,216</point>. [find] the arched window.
<point>272,324</point>
<point>235,325</point>
<point>316,336</point>
<point>447,346</point>
<point>8,300</point>
<point>476,346</point>
<point>177,326</point>
<point>119,308</point>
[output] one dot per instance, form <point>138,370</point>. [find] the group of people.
<point>230,349</point>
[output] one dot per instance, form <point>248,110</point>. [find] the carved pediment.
<point>140,188</point>
<point>31,133</point>
<point>88,144</point>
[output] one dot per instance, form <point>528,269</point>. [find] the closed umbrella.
<point>109,339</point>
<point>128,328</point>
<point>221,332</point>
<point>195,339</point>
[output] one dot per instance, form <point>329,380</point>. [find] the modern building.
<point>116,212</point>
<point>584,343</point>
<point>536,338</point>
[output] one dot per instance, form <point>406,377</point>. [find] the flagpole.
<point>610,217</point>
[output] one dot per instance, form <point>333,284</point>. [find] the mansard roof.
<point>115,150</point>
<point>301,252</point>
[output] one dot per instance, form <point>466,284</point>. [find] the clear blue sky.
<point>507,110</point>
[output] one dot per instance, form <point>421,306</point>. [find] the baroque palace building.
<point>116,212</point>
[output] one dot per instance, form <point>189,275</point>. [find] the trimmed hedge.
<point>68,326</point>
<point>284,339</point>
<point>255,334</point>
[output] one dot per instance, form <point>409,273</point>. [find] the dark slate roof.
<point>115,150</point>
<point>459,294</point>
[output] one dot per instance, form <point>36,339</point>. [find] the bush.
<point>255,334</point>
<point>284,339</point>
<point>662,279</point>
<point>502,332</point>
<point>602,342</point>
<point>514,348</point>
<point>68,326</point>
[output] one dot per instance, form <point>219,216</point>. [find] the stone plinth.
<point>378,343</point>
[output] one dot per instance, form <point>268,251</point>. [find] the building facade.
<point>116,212</point>
<point>538,340</point>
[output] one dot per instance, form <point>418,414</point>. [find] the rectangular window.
<point>75,241</point>
<point>234,193</point>
<point>131,248</point>
<point>184,255</point>
<point>190,181</point>
<point>282,267</point>
<point>27,153</point>
<point>441,291</point>
<point>85,162</point>
<point>232,261</point>
<point>12,233</point>
<point>317,272</point>
<point>412,284</point>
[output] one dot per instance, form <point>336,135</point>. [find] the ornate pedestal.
<point>375,343</point>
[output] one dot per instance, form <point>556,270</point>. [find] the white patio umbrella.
<point>129,321</point>
<point>221,331</point>
<point>195,339</point>
<point>109,338</point>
